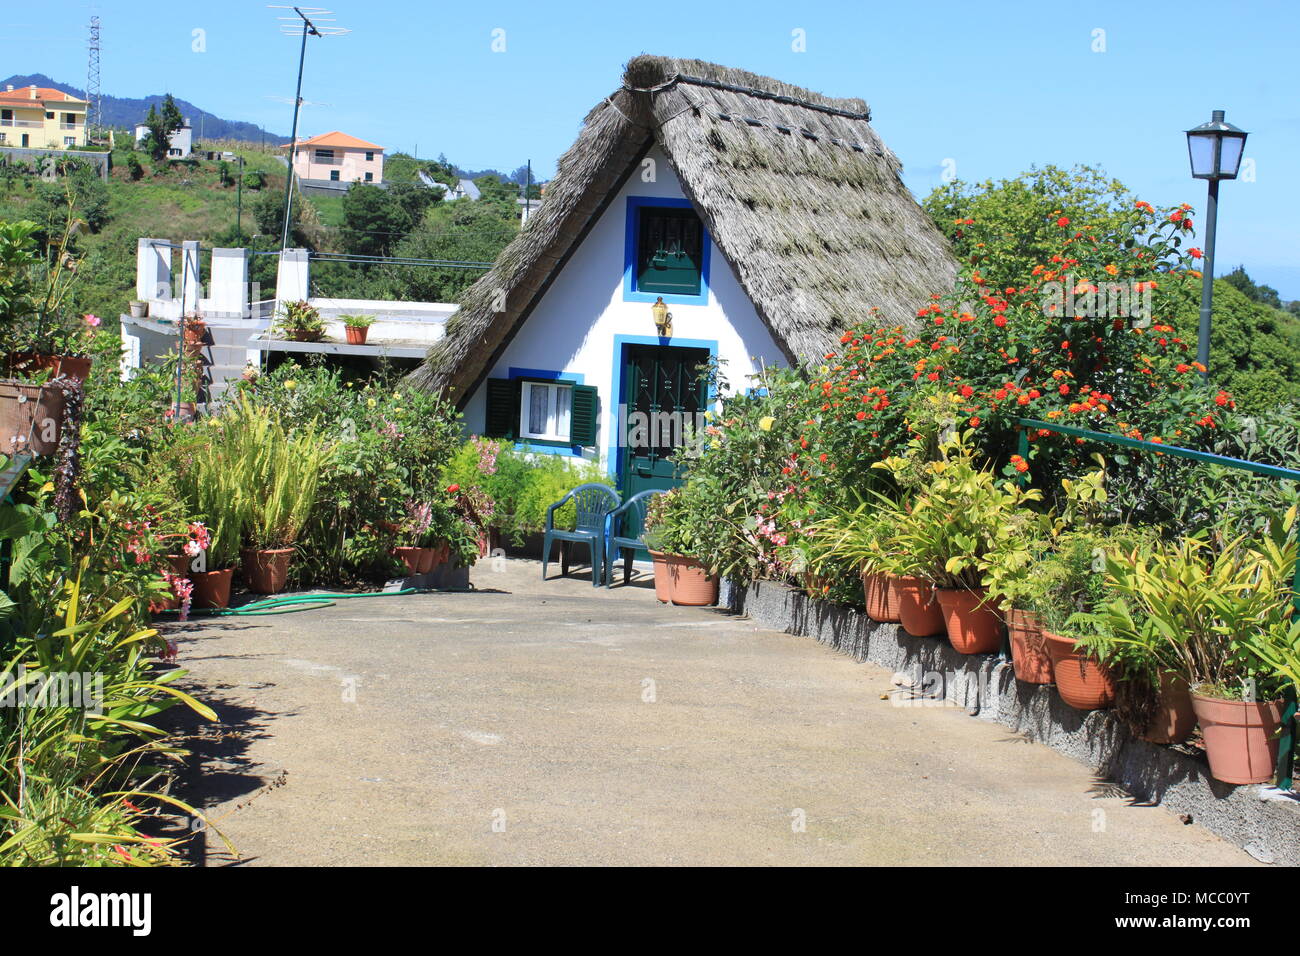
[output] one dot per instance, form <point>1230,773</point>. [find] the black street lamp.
<point>1215,150</point>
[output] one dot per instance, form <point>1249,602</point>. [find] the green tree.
<point>1260,293</point>
<point>462,230</point>
<point>1009,226</point>
<point>161,124</point>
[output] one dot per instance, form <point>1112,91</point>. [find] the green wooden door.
<point>663,392</point>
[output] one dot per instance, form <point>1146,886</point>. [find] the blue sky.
<point>993,87</point>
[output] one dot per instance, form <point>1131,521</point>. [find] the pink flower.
<point>92,320</point>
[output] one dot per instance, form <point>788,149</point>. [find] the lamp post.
<point>1214,149</point>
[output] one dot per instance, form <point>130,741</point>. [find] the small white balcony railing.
<point>27,124</point>
<point>69,126</point>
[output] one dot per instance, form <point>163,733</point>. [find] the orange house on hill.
<point>338,157</point>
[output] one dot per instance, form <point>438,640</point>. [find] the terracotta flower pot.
<point>211,588</point>
<point>1175,717</point>
<point>356,336</point>
<point>660,561</point>
<point>304,335</point>
<point>410,557</point>
<point>880,595</point>
<point>918,612</point>
<point>1240,737</point>
<point>1082,681</point>
<point>1029,656</point>
<point>973,626</point>
<point>31,418</point>
<point>265,572</point>
<point>427,558</point>
<point>688,583</point>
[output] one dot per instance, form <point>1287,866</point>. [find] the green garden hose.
<point>297,602</point>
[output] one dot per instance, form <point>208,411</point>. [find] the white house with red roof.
<point>338,157</point>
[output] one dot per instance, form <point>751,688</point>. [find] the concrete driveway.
<point>531,723</point>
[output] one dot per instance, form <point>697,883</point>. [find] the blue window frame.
<point>633,257</point>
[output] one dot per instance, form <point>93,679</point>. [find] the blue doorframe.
<point>615,449</point>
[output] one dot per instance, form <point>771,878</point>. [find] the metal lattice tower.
<point>95,108</point>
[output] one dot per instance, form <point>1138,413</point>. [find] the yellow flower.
<point>291,384</point>
<point>370,403</point>
<point>766,423</point>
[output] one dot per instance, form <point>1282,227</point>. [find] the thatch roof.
<point>795,188</point>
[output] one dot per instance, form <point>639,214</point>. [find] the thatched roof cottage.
<point>765,217</point>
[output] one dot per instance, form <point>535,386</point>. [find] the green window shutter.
<point>502,417</point>
<point>669,250</point>
<point>582,415</point>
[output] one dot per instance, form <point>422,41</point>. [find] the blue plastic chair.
<point>593,503</point>
<point>630,514</point>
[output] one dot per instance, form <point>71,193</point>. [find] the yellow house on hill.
<point>41,117</point>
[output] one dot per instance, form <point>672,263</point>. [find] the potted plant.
<point>1012,582</point>
<point>301,322</point>
<point>139,309</point>
<point>36,334</point>
<point>357,327</point>
<point>859,538</point>
<point>1071,585</point>
<point>1218,620</point>
<point>285,466</point>
<point>686,530</point>
<point>653,536</point>
<point>959,517</point>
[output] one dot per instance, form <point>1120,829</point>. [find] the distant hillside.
<point>125,113</point>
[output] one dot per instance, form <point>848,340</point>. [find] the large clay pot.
<point>880,595</point>
<point>265,572</point>
<point>76,368</point>
<point>1240,737</point>
<point>428,559</point>
<point>1082,681</point>
<point>31,418</point>
<point>410,557</point>
<point>211,588</point>
<point>1175,717</point>
<point>356,336</point>
<point>660,562</point>
<point>918,612</point>
<point>688,583</point>
<point>1029,657</point>
<point>973,626</point>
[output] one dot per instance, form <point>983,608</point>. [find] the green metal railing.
<point>1286,743</point>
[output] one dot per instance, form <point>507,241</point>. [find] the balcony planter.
<point>1083,682</point>
<point>689,584</point>
<point>72,367</point>
<point>1175,716</point>
<point>31,417</point>
<point>356,336</point>
<point>880,595</point>
<point>1240,737</point>
<point>139,309</point>
<point>660,562</point>
<point>211,588</point>
<point>265,571</point>
<point>918,611</point>
<point>1029,656</point>
<point>974,627</point>
<point>304,335</point>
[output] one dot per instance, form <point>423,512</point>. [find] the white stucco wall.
<point>573,328</point>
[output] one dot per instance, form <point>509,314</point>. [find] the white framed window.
<point>544,411</point>
<point>324,155</point>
